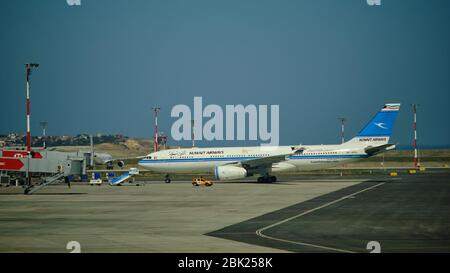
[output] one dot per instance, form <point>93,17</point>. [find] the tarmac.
<point>404,214</point>
<point>298,214</point>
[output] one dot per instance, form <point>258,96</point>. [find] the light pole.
<point>44,126</point>
<point>28,68</point>
<point>91,144</point>
<point>156,111</point>
<point>343,120</point>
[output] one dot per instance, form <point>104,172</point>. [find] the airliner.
<point>230,163</point>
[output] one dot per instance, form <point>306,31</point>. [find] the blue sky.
<point>105,63</point>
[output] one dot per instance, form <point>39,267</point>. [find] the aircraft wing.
<point>267,161</point>
<point>263,161</point>
<point>379,149</point>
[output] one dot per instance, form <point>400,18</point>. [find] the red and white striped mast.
<point>156,110</point>
<point>28,72</point>
<point>416,156</point>
<point>28,68</point>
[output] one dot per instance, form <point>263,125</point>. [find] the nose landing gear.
<point>167,179</point>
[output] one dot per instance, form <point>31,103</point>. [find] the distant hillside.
<point>128,148</point>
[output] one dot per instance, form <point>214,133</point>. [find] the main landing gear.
<point>267,179</point>
<point>167,179</point>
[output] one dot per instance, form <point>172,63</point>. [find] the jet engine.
<point>121,164</point>
<point>230,172</point>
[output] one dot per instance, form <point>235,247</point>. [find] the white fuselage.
<point>313,157</point>
<point>246,161</point>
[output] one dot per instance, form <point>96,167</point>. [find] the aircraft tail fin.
<point>379,129</point>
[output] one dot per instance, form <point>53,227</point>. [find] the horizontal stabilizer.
<point>379,149</point>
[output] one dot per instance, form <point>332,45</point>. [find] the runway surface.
<point>300,214</point>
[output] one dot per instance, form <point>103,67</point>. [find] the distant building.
<point>12,136</point>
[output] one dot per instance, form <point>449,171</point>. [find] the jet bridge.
<point>51,166</point>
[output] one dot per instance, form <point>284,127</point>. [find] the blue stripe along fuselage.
<point>292,157</point>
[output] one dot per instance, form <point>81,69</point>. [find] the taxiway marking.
<point>259,232</point>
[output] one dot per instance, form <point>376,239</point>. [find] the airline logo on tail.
<point>381,125</point>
